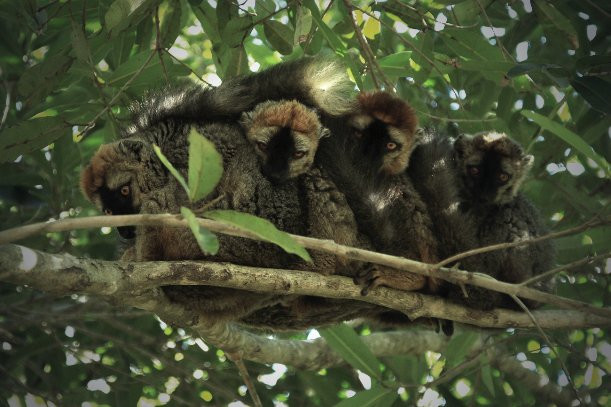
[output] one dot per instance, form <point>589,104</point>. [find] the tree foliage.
<point>535,69</point>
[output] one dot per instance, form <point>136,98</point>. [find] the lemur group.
<point>303,150</point>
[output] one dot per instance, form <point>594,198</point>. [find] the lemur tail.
<point>319,82</point>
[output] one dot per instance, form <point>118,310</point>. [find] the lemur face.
<point>285,136</point>
<point>492,166</point>
<point>118,175</point>
<point>386,127</point>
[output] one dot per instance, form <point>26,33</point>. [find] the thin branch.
<point>504,52</point>
<point>594,222</point>
<point>549,343</point>
<point>250,385</point>
<point>65,274</point>
<point>158,47</point>
<point>91,123</point>
<point>580,262</point>
<point>368,53</point>
<point>417,50</point>
<point>7,102</point>
<point>452,275</point>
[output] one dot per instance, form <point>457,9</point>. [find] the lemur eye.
<point>391,146</point>
<point>474,171</point>
<point>262,146</point>
<point>503,177</point>
<point>107,211</point>
<point>125,190</point>
<point>298,154</point>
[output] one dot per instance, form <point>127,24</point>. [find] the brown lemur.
<point>492,168</point>
<point>114,179</point>
<point>129,168</point>
<point>367,158</point>
<point>472,187</point>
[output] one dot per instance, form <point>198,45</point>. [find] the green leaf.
<point>551,18</point>
<point>79,43</point>
<point>261,228</point>
<point>595,90</point>
<point>30,135</point>
<point>207,17</point>
<point>170,25</point>
<point>569,137</point>
<point>152,72</point>
<point>396,64</point>
<point>486,373</point>
<point>119,14</point>
<point>205,166</point>
<point>376,396</point>
<point>348,344</point>
<point>477,65</point>
<point>206,240</point>
<point>334,41</point>
<point>280,36</point>
<point>41,79</point>
<point>236,30</point>
<point>594,64</point>
<point>171,168</point>
<point>458,347</point>
<point>303,24</point>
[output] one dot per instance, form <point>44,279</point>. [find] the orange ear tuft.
<point>389,109</point>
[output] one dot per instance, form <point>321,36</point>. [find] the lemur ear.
<point>246,119</point>
<point>323,133</point>
<point>528,161</point>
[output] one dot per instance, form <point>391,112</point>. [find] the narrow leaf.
<point>30,135</point>
<point>569,137</point>
<point>348,344</point>
<point>458,347</point>
<point>119,13</point>
<point>171,168</point>
<point>303,25</point>
<point>79,43</point>
<point>279,35</point>
<point>260,228</point>
<point>396,64</point>
<point>205,166</point>
<point>377,396</point>
<point>487,379</point>
<point>206,240</point>
<point>595,90</point>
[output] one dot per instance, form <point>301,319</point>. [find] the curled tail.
<point>319,82</point>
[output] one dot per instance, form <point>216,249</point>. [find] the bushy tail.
<point>319,82</point>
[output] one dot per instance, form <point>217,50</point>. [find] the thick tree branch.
<point>122,282</point>
<point>452,275</point>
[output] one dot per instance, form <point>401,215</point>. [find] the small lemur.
<point>492,168</point>
<point>367,158</point>
<point>472,190</point>
<point>114,179</point>
<point>279,184</point>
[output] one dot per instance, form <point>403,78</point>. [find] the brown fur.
<point>286,114</point>
<point>94,175</point>
<point>390,110</point>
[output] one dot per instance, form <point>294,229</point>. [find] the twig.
<point>550,273</point>
<point>594,222</point>
<point>91,123</point>
<point>368,53</point>
<point>188,67</point>
<point>549,343</point>
<point>452,275</point>
<point>158,46</point>
<point>250,385</point>
<point>409,44</point>
<point>504,52</point>
<point>7,103</point>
